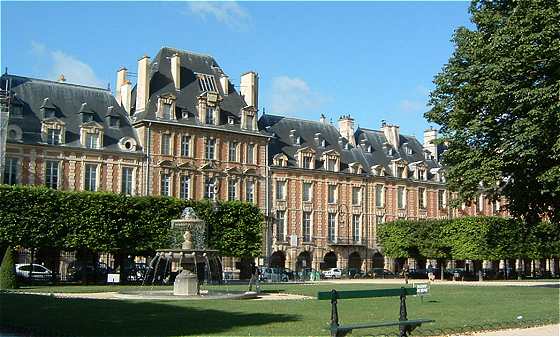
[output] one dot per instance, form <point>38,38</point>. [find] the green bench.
<point>405,325</point>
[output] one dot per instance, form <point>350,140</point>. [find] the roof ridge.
<point>57,82</point>
<point>302,119</point>
<point>187,52</point>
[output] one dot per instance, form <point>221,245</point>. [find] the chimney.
<point>143,84</point>
<point>429,136</point>
<point>323,119</point>
<point>176,70</point>
<point>346,128</point>
<point>121,79</point>
<point>224,82</point>
<point>392,134</point>
<point>126,96</point>
<point>250,88</point>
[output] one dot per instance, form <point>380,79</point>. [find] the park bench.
<point>405,325</point>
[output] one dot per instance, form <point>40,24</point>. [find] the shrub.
<point>8,271</point>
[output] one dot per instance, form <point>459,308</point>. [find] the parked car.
<point>273,274</point>
<point>353,273</point>
<point>78,271</point>
<point>332,273</point>
<point>40,273</point>
<point>381,273</point>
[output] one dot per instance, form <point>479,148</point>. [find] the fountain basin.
<point>167,295</point>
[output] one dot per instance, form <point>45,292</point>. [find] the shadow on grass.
<point>50,316</point>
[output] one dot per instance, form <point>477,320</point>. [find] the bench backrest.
<point>327,295</point>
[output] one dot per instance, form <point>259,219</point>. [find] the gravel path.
<point>545,330</point>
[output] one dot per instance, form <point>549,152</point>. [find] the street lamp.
<point>343,217</point>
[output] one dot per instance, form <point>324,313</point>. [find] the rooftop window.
<point>207,83</point>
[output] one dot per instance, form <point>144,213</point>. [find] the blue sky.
<point>372,60</point>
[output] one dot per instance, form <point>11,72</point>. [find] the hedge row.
<point>38,217</point>
<point>473,238</point>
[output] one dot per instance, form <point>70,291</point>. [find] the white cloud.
<point>293,95</point>
<point>56,62</point>
<point>228,13</point>
<point>409,105</point>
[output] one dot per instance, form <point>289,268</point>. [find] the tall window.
<point>166,110</point>
<point>126,180</point>
<point>421,197</point>
<point>165,185</point>
<point>185,185</point>
<point>210,148</point>
<point>185,145</point>
<point>331,223</point>
<point>331,164</point>
<point>441,199</point>
<point>306,191</point>
<point>306,227</point>
<point>400,171</point>
<point>401,197</point>
<point>379,197</point>
<point>280,190</point>
<point>92,139</point>
<point>233,151</point>
<point>10,171</point>
<point>356,195</point>
<point>51,174</point>
<point>307,162</point>
<point>166,144</point>
<point>90,177</point>
<point>250,153</point>
<point>332,194</point>
<point>53,136</point>
<point>250,191</point>
<point>210,115</point>
<point>232,189</point>
<point>356,227</point>
<point>250,122</point>
<point>280,218</point>
<point>209,187</point>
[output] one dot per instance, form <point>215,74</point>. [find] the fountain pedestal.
<point>186,284</point>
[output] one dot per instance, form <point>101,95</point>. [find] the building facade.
<point>183,130</point>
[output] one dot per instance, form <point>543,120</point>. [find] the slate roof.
<point>68,101</point>
<point>161,83</point>
<point>282,142</point>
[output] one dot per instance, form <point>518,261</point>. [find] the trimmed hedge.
<point>38,217</point>
<point>473,238</point>
<point>8,271</point>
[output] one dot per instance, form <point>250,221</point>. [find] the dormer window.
<point>114,122</point>
<point>400,171</point>
<point>378,170</point>
<point>331,164</point>
<point>298,140</point>
<point>210,115</point>
<point>248,118</point>
<point>230,120</point>
<point>427,155</point>
<point>166,107</point>
<point>331,161</point>
<point>48,109</point>
<point>206,82</point>
<point>306,162</point>
<point>91,136</point>
<point>53,136</point>
<point>280,160</point>
<point>92,140</point>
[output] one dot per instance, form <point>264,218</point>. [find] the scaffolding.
<point>4,116</point>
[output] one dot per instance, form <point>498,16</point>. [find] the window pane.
<point>232,189</point>
<point>185,186</point>
<point>126,181</point>
<point>306,226</point>
<point>233,151</point>
<point>280,225</point>
<point>250,153</point>
<point>306,191</point>
<point>379,195</point>
<point>185,146</point>
<point>90,180</point>
<point>356,227</point>
<point>331,222</point>
<point>210,147</point>
<point>51,174</point>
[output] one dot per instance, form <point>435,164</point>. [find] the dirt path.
<point>546,330</point>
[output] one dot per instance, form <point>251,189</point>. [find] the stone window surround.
<point>191,144</point>
<point>166,99</point>
<point>424,204</point>
<point>360,195</point>
<point>360,224</point>
<point>19,159</point>
<point>284,226</point>
<point>216,147</point>
<point>310,191</point>
<point>382,204</point>
<point>280,160</point>
<point>204,103</point>
<point>85,129</point>
<point>405,196</point>
<point>191,184</point>
<point>60,173</point>
<point>248,112</point>
<point>237,151</point>
<point>171,143</point>
<point>254,154</point>
<point>336,215</point>
<point>134,177</point>
<point>332,156</point>
<point>235,181</point>
<point>56,124</point>
<point>336,190</point>
<point>285,182</point>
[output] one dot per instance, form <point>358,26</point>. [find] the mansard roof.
<point>67,100</point>
<point>161,83</point>
<point>283,140</point>
<point>286,129</point>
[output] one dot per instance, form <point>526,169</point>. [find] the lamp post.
<point>342,219</point>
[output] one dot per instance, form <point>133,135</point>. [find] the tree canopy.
<point>497,101</point>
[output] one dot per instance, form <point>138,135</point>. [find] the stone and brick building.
<point>183,130</point>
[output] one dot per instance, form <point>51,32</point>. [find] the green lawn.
<point>455,309</point>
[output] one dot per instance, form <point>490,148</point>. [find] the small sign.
<point>113,278</point>
<point>293,240</point>
<point>422,289</point>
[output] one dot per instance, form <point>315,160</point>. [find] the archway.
<point>378,261</point>
<point>278,259</point>
<point>303,261</point>
<point>355,260</point>
<point>330,260</point>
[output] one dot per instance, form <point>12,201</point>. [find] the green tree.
<point>8,271</point>
<point>497,102</point>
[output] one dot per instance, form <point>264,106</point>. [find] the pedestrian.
<point>254,277</point>
<point>405,271</point>
<point>431,276</point>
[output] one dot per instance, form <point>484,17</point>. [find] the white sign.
<point>113,278</point>
<point>422,289</point>
<point>293,240</point>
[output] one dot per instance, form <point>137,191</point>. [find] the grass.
<point>455,309</point>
